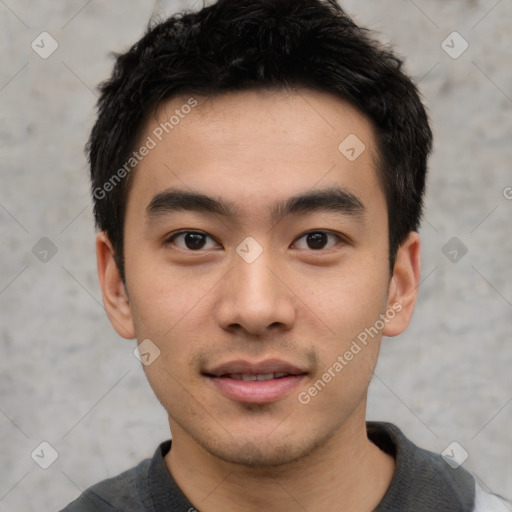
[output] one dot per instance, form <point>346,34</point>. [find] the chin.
<point>265,457</point>
<point>263,452</point>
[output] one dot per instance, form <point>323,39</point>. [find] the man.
<point>258,169</point>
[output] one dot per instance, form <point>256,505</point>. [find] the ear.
<point>403,287</point>
<point>115,297</point>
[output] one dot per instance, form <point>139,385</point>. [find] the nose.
<point>255,297</point>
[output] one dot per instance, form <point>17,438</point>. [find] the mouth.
<point>248,377</point>
<point>255,383</point>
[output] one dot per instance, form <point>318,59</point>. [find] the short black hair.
<point>235,45</point>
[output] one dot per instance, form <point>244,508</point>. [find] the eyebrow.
<point>332,199</point>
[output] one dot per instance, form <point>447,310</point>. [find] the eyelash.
<point>171,239</point>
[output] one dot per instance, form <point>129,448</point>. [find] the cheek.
<point>347,301</point>
<point>175,314</point>
<point>164,297</point>
<point>347,342</point>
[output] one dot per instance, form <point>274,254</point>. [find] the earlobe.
<point>115,297</point>
<point>403,287</point>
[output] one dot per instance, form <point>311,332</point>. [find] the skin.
<point>303,305</point>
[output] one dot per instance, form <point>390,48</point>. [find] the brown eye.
<point>194,240</point>
<point>191,240</point>
<point>317,240</point>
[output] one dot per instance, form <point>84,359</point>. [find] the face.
<point>256,252</point>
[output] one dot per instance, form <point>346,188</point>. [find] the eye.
<point>317,240</point>
<point>191,240</point>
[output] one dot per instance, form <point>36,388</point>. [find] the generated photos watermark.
<point>150,143</point>
<point>357,345</point>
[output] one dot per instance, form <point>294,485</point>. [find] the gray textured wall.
<point>69,380</point>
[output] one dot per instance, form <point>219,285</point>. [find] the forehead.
<point>250,146</point>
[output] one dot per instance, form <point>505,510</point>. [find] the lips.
<point>262,382</point>
<point>270,366</point>
<point>259,376</point>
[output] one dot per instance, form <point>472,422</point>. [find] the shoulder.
<point>426,481</point>
<point>119,493</point>
<point>423,480</point>
<point>486,502</point>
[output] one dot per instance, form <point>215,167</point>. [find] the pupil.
<point>194,240</point>
<point>317,240</point>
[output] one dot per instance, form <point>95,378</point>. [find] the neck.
<point>348,472</point>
